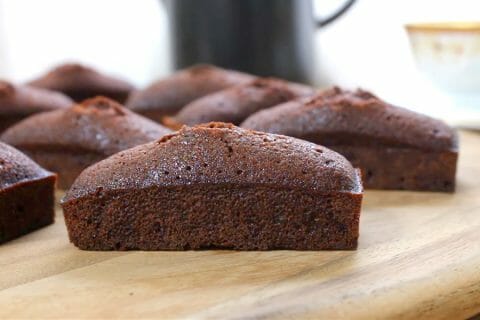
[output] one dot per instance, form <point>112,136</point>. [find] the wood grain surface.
<point>418,257</point>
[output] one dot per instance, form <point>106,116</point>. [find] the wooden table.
<point>419,257</point>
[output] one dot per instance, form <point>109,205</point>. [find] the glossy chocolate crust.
<point>217,186</point>
<point>18,102</point>
<point>236,103</point>
<point>67,141</point>
<point>167,96</point>
<point>81,82</point>
<point>395,148</point>
<point>26,194</point>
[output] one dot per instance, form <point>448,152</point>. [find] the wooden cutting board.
<point>418,257</point>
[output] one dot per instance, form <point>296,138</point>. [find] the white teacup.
<point>448,53</point>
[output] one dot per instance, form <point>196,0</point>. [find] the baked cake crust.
<point>82,82</point>
<point>236,103</point>
<point>217,186</point>
<point>167,96</point>
<point>396,148</point>
<point>18,102</point>
<point>67,141</point>
<point>26,194</point>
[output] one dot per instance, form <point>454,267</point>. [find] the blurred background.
<point>368,46</point>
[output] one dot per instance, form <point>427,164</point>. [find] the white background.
<point>368,47</point>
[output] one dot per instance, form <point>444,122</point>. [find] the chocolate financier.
<point>67,141</point>
<point>18,102</point>
<point>394,147</point>
<point>26,194</point>
<point>217,186</point>
<point>167,96</point>
<point>82,82</point>
<point>236,103</point>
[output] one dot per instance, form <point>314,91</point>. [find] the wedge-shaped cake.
<point>69,140</point>
<point>26,194</point>
<point>81,82</point>
<point>167,96</point>
<point>217,186</point>
<point>18,102</point>
<point>236,103</point>
<point>394,147</point>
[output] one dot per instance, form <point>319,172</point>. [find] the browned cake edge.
<point>26,206</point>
<point>403,168</point>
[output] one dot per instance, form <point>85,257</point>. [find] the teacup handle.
<point>324,21</point>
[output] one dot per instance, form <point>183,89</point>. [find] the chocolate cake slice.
<point>217,186</point>
<point>82,82</point>
<point>18,102</point>
<point>395,148</point>
<point>67,141</point>
<point>26,194</point>
<point>236,103</point>
<point>167,96</point>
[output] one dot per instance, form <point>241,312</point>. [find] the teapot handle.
<point>321,22</point>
